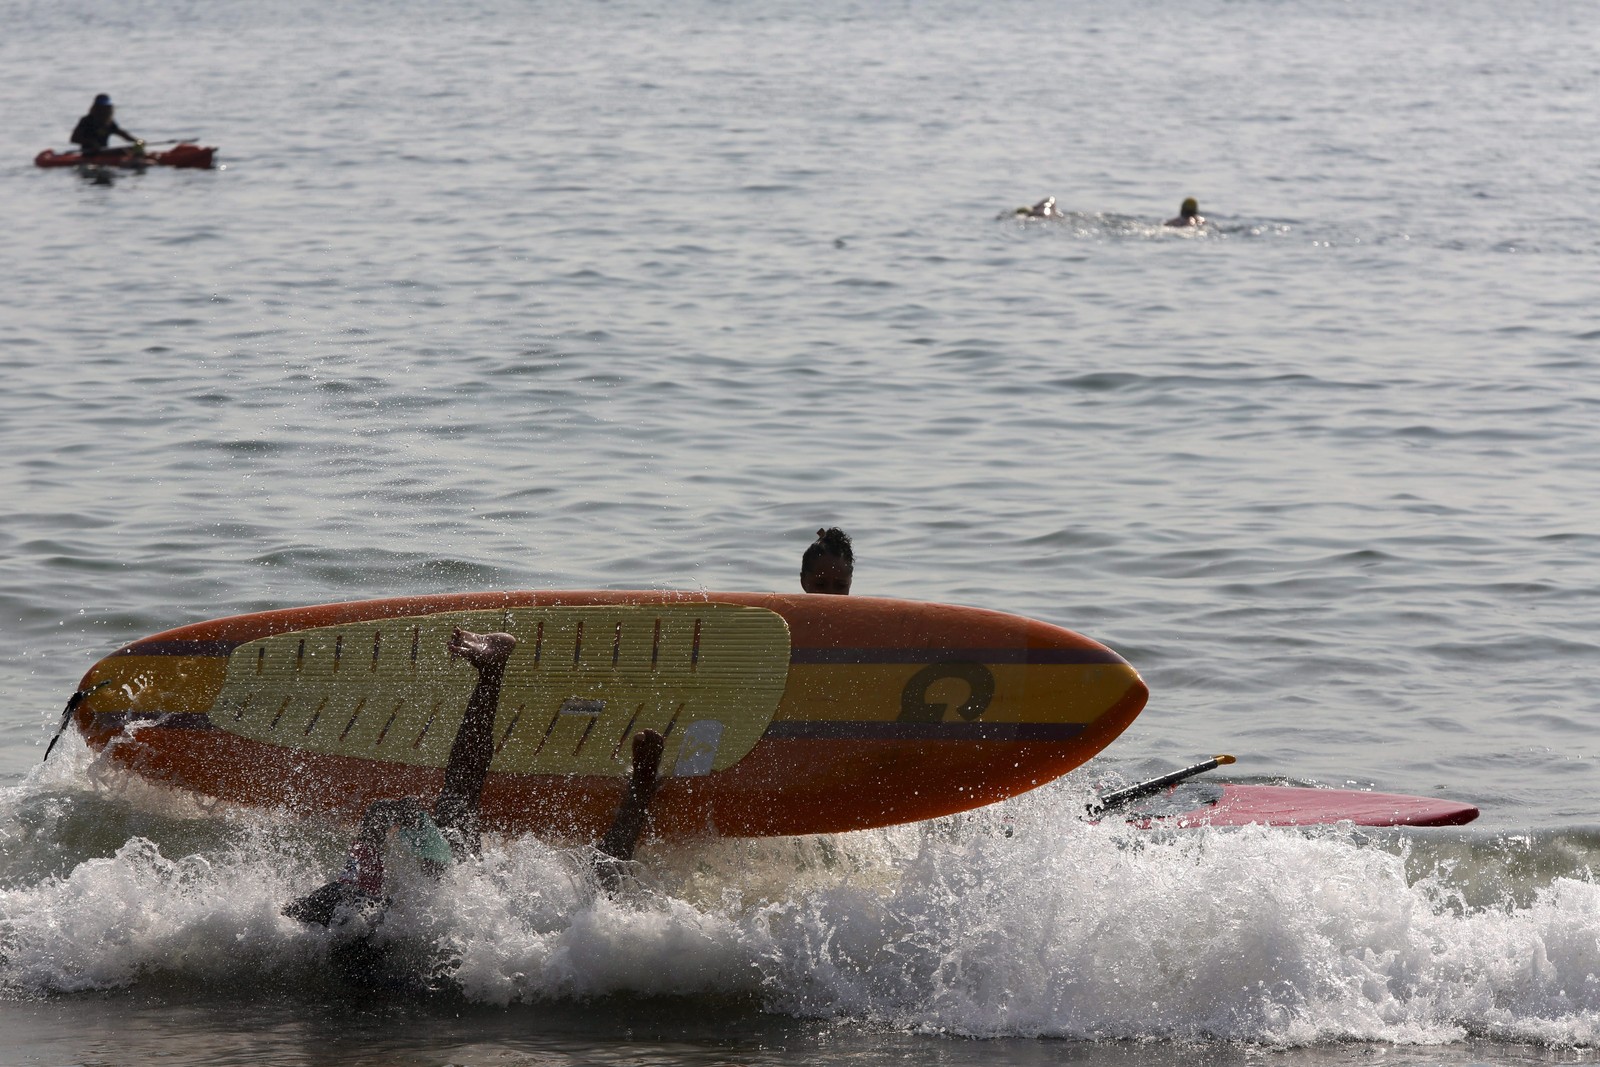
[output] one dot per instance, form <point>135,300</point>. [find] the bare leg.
<point>620,840</point>
<point>457,809</point>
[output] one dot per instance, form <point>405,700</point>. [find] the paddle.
<point>1119,797</point>
<point>66,716</point>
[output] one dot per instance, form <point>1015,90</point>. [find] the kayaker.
<point>451,831</point>
<point>93,132</point>
<point>828,564</point>
<point>1188,215</point>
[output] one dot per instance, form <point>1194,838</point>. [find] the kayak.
<point>195,156</point>
<point>1232,804</point>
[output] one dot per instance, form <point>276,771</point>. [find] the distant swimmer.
<point>829,563</point>
<point>1188,215</point>
<point>1044,209</point>
<point>451,831</point>
<point>93,132</point>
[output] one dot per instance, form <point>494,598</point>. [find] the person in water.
<point>1188,215</point>
<point>451,831</point>
<point>1044,209</point>
<point>828,564</point>
<point>93,132</point>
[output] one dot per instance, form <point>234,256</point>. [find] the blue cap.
<point>102,100</point>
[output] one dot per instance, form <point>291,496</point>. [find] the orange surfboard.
<point>783,714</point>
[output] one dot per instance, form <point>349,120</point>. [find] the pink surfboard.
<point>1230,804</point>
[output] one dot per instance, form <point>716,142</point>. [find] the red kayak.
<point>179,155</point>
<point>1230,804</point>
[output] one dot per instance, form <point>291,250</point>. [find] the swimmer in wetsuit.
<point>829,563</point>
<point>1044,209</point>
<point>93,132</point>
<point>1188,215</point>
<point>451,831</point>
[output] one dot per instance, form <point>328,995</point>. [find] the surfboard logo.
<point>915,705</point>
<point>697,754</point>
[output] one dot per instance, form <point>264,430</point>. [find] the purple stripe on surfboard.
<point>784,731</point>
<point>923,731</point>
<point>810,656</point>
<point>171,720</point>
<point>178,648</point>
<point>1043,656</point>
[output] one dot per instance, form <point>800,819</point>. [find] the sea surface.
<point>518,294</point>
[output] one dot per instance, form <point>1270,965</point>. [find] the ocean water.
<point>510,294</point>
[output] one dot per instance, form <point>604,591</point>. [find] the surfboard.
<point>783,714</point>
<point>1242,804</point>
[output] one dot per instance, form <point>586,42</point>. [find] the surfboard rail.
<point>784,714</point>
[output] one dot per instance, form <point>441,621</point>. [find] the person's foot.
<point>483,651</point>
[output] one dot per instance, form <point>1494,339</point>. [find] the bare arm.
<point>620,840</point>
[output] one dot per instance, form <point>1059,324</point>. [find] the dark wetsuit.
<point>93,133</point>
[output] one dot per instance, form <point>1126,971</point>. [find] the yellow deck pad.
<point>580,683</point>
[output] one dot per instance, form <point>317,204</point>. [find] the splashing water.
<point>1016,920</point>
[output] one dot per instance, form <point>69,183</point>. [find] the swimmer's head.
<point>1190,208</point>
<point>829,563</point>
<point>101,101</point>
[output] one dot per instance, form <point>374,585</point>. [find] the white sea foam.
<point>1015,921</point>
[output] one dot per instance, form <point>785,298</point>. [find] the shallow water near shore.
<point>508,295</point>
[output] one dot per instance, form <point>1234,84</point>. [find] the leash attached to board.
<point>66,716</point>
<point>1119,797</point>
